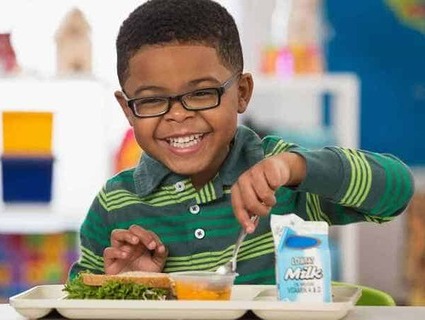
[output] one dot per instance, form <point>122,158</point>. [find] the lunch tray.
<point>261,300</point>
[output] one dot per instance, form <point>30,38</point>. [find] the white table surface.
<point>7,312</point>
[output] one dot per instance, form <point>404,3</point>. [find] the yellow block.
<point>27,132</point>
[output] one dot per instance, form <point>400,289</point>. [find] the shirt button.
<point>194,209</point>
<point>179,186</point>
<point>199,233</point>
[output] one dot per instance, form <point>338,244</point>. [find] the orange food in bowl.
<point>201,285</point>
<point>194,291</point>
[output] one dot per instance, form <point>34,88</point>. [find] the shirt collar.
<point>245,151</point>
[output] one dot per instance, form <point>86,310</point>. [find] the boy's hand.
<point>253,192</point>
<point>135,249</point>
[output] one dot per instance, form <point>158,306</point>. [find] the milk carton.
<point>303,267</point>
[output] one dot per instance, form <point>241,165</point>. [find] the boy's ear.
<point>123,103</point>
<point>246,86</point>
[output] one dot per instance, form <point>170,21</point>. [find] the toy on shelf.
<point>27,160</point>
<point>8,63</point>
<point>74,52</point>
<point>295,41</point>
<point>128,153</point>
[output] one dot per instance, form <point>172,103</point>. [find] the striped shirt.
<point>198,226</point>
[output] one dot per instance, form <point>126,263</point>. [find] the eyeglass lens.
<point>196,100</point>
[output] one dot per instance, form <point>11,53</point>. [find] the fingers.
<point>113,259</point>
<point>147,238</point>
<point>134,249</point>
<point>241,214</point>
<point>136,235</point>
<point>253,192</point>
<point>120,236</point>
<point>160,256</point>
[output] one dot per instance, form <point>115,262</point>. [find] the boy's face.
<point>190,143</point>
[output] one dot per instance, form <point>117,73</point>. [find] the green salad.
<point>113,289</point>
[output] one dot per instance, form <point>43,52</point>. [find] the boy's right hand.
<point>135,249</point>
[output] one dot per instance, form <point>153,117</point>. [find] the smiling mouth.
<point>186,141</point>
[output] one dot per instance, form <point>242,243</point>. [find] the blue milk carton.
<point>303,266</point>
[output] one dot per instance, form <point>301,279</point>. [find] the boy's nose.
<point>178,112</point>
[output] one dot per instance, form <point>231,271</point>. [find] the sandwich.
<point>132,285</point>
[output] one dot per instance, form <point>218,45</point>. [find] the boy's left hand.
<point>253,192</point>
<point>135,249</point>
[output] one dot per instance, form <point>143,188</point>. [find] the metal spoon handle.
<point>241,237</point>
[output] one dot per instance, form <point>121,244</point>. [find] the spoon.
<point>230,266</point>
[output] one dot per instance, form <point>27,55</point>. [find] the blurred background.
<point>326,72</point>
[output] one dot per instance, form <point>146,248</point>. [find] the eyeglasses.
<point>196,100</point>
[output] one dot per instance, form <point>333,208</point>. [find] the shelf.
<point>79,145</point>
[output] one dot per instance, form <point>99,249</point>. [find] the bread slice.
<point>149,279</point>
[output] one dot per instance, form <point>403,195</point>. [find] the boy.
<point>201,177</point>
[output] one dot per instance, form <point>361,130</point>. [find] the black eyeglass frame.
<point>220,91</point>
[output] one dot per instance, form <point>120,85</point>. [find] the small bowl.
<point>202,285</point>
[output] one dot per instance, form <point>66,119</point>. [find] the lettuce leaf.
<point>113,289</point>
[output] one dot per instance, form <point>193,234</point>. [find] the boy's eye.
<point>203,93</point>
<point>150,101</point>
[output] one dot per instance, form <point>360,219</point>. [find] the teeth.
<point>185,142</point>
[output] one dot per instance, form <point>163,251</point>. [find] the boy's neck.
<point>199,181</point>
<point>202,178</point>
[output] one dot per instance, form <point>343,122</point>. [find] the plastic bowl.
<point>202,285</point>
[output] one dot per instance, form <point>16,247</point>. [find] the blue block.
<point>27,179</point>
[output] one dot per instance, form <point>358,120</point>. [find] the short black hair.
<point>158,22</point>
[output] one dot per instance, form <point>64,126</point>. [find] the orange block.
<point>27,133</point>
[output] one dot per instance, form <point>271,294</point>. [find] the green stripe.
<point>93,263</point>
<point>91,258</point>
<point>323,216</point>
<point>284,147</point>
<point>91,254</point>
<point>352,177</point>
<point>102,200</point>
<point>123,205</point>
<point>250,277</point>
<point>211,233</point>
<point>119,195</point>
<point>357,180</point>
<point>276,147</point>
<point>257,254</point>
<point>212,191</point>
<point>172,225</point>
<point>161,198</point>
<point>202,195</point>
<point>174,196</point>
<point>121,198</point>
<point>208,192</point>
<point>216,257</point>
<point>92,267</point>
<point>316,208</point>
<point>361,178</point>
<point>212,264</point>
<point>367,181</point>
<point>310,211</point>
<point>280,147</point>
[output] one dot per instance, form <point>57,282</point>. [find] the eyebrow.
<point>190,83</point>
